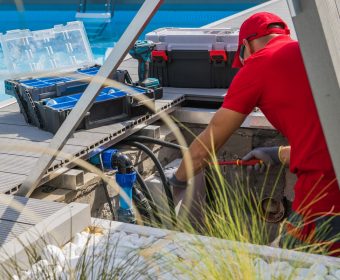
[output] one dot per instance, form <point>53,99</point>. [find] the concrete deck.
<point>27,225</point>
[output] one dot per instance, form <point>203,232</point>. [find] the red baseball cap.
<point>257,26</point>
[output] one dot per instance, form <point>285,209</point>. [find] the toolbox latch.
<point>218,55</point>
<point>159,55</point>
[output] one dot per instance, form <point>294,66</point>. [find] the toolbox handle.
<point>159,55</point>
<point>218,55</point>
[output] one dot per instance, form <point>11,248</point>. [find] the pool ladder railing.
<point>95,21</point>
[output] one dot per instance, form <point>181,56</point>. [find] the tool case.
<point>52,86</point>
<point>29,92</point>
<point>110,106</point>
<point>46,99</point>
<point>193,57</point>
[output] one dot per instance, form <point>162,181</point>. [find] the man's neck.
<point>260,43</point>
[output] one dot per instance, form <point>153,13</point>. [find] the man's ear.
<point>248,46</point>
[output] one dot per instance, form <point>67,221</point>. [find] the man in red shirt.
<point>273,78</point>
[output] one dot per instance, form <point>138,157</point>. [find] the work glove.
<point>172,180</point>
<point>268,155</point>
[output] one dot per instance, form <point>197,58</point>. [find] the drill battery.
<point>154,84</point>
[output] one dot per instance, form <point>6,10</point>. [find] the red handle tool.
<point>239,162</point>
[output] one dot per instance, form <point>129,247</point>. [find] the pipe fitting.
<point>122,162</point>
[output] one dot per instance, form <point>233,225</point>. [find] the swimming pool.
<point>35,20</point>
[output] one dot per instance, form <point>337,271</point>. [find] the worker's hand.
<point>269,156</point>
<point>172,179</point>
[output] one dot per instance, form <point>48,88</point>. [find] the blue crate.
<point>68,102</point>
<point>53,86</point>
<point>91,71</point>
<point>45,81</point>
<point>61,103</point>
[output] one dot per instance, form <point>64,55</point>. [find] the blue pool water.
<point>35,20</point>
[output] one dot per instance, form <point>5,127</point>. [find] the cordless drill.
<point>142,52</point>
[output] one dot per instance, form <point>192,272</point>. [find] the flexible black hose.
<point>106,190</point>
<point>159,167</point>
<point>141,138</point>
<point>145,190</point>
<point>143,205</point>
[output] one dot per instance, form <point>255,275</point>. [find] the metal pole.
<point>317,24</point>
<point>117,55</point>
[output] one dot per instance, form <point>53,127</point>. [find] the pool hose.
<point>164,180</point>
<point>127,177</point>
<point>145,190</point>
<point>142,139</point>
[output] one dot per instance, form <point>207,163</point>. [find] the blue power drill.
<point>142,52</point>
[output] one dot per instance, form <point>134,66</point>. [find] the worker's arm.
<point>284,154</point>
<point>220,128</point>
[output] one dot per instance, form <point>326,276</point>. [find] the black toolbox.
<point>29,92</point>
<point>46,102</point>
<point>111,105</point>
<point>193,57</point>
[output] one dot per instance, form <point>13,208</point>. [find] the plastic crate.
<point>110,106</point>
<point>193,57</point>
<point>64,84</point>
<point>26,91</point>
<point>29,54</point>
<point>29,90</point>
<point>33,93</point>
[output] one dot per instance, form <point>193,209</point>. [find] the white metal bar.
<point>294,7</point>
<point>279,7</point>
<point>117,55</point>
<point>318,29</point>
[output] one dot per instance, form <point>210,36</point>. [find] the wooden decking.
<point>21,144</point>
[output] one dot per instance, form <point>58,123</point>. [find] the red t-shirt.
<point>275,80</point>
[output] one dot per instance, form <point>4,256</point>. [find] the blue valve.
<point>107,156</point>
